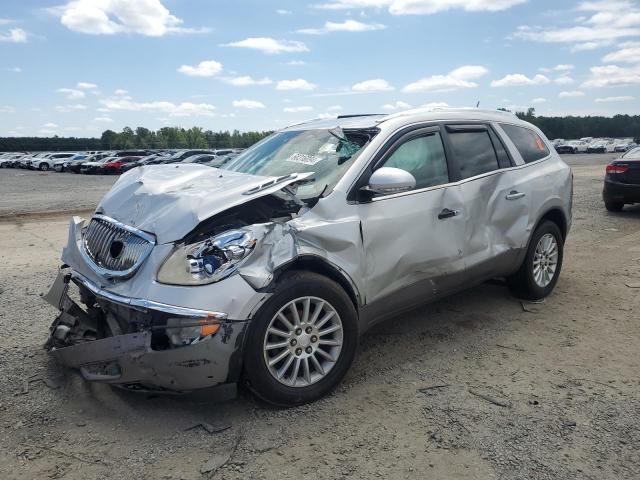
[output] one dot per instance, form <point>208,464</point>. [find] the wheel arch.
<point>321,266</point>
<point>557,216</point>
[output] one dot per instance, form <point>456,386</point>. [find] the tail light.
<point>615,169</point>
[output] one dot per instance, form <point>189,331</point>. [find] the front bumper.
<point>139,357</point>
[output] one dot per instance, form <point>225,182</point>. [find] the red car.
<point>115,166</point>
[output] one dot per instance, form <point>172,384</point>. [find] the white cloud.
<point>297,84</point>
<point>206,68</point>
<point>269,45</point>
<point>539,100</point>
<point>282,11</point>
<point>624,98</point>
<point>304,108</point>
<point>250,104</point>
<point>86,86</point>
<point>454,80</point>
<point>605,22</point>
<point>14,69</point>
<point>374,85</point>
<point>346,26</point>
<point>571,94</point>
<point>422,7</point>
<point>520,80</point>
<point>612,76</point>
<point>399,105</point>
<point>628,53</point>
<point>70,108</point>
<point>50,125</point>
<point>564,80</point>
<point>7,109</point>
<point>120,92</point>
<point>435,105</point>
<point>296,62</point>
<point>71,93</point>
<point>558,68</point>
<point>327,115</point>
<point>14,35</point>
<point>335,108</point>
<point>184,109</point>
<point>103,119</point>
<point>108,17</point>
<point>245,81</point>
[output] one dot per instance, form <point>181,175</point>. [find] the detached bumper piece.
<point>122,341</point>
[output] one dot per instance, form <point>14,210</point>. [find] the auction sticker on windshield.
<point>304,159</point>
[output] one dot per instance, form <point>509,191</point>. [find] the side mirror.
<point>388,180</point>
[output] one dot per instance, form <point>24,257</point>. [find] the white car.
<point>47,162</point>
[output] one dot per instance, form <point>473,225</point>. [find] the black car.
<point>622,181</point>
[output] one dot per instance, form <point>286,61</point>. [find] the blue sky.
<point>76,68</point>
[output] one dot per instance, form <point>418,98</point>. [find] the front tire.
<point>541,267</point>
<point>43,167</point>
<point>302,341</point>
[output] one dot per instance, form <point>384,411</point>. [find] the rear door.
<point>496,201</point>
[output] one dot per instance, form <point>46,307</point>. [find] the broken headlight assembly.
<point>208,261</point>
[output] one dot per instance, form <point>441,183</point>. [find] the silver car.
<point>268,271</point>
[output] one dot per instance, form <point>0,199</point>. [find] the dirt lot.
<point>474,387</point>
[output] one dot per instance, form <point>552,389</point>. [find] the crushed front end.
<point>139,344</point>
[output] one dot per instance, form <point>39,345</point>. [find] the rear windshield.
<point>633,154</point>
<point>528,142</point>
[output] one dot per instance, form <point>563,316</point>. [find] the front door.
<point>413,240</point>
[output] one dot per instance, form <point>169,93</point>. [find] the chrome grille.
<point>116,250</point>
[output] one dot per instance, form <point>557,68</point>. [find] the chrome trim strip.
<point>144,304</point>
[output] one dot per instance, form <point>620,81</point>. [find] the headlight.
<point>208,261</point>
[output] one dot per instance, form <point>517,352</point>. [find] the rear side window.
<point>474,152</point>
<point>528,142</point>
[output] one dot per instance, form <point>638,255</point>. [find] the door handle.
<point>515,195</point>
<point>447,213</point>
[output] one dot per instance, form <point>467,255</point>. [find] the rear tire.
<point>613,206</point>
<point>534,280</point>
<point>298,385</point>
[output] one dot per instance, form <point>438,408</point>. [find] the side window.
<point>424,158</point>
<point>474,152</point>
<point>528,142</point>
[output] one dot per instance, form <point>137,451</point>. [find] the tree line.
<point>570,127</point>
<point>128,138</point>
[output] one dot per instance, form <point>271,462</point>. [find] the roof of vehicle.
<point>409,116</point>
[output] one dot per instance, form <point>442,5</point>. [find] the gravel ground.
<point>477,386</point>
<point>31,191</point>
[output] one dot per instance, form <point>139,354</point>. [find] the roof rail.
<point>415,111</point>
<point>355,115</point>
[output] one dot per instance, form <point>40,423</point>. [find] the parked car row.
<point>113,162</point>
<point>594,145</point>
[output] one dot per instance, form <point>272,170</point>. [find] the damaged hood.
<point>171,200</point>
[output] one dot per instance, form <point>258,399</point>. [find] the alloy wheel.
<point>303,341</point>
<point>545,260</point>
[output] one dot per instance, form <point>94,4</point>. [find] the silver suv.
<point>269,270</point>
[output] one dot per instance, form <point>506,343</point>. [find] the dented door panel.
<point>406,244</point>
